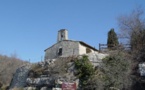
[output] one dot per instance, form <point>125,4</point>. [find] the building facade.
<point>66,48</point>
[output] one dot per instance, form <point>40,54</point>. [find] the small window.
<point>60,51</point>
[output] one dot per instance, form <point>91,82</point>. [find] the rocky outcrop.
<point>40,82</point>
<point>44,75</point>
<point>50,73</point>
<point>96,58</point>
<point>20,77</point>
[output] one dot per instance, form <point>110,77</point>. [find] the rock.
<point>30,88</point>
<point>19,78</point>
<point>29,81</point>
<point>96,58</point>
<point>51,75</point>
<point>38,81</point>
<point>142,68</point>
<point>56,89</point>
<point>49,61</point>
<point>44,88</point>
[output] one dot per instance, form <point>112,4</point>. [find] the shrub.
<point>116,69</point>
<point>36,71</point>
<point>85,70</point>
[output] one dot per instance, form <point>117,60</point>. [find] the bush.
<point>36,71</point>
<point>116,69</point>
<point>85,70</point>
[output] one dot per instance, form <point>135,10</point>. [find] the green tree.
<point>116,69</point>
<point>112,39</point>
<point>85,69</point>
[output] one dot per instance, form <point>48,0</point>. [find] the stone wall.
<point>69,48</point>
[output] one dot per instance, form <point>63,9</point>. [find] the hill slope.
<point>8,66</point>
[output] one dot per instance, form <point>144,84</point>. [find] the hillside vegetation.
<point>8,66</point>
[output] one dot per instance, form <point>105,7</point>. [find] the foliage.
<point>116,69</point>
<point>96,81</point>
<point>36,71</point>
<point>57,67</point>
<point>112,39</point>
<point>113,74</point>
<point>137,40</point>
<point>138,81</point>
<point>132,29</point>
<point>61,65</point>
<point>85,69</point>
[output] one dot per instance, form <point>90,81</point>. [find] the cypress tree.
<point>112,39</point>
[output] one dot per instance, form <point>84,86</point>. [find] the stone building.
<point>65,47</point>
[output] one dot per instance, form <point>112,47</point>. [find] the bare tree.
<point>132,28</point>
<point>8,66</point>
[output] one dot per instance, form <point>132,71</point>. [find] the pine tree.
<point>112,39</point>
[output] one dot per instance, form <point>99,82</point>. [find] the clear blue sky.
<point>27,27</point>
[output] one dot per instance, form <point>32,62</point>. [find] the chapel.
<point>65,47</point>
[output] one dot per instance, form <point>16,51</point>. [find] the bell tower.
<point>62,35</point>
